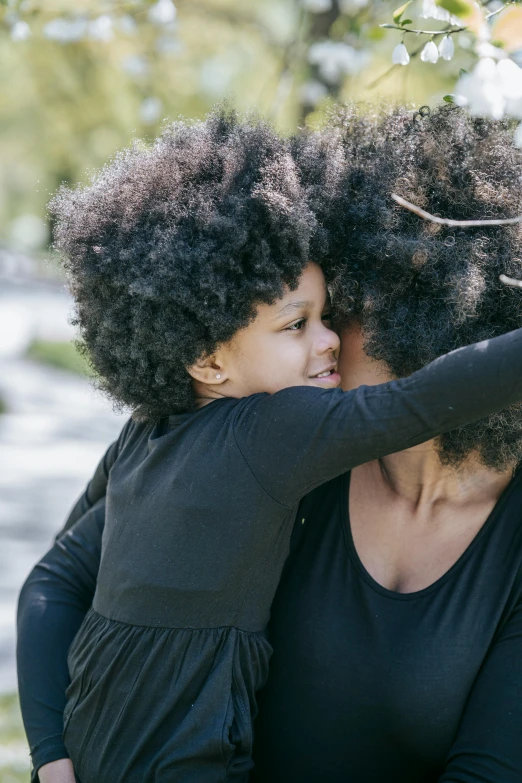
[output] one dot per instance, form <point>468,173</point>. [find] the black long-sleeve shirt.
<point>240,468</point>
<point>368,685</point>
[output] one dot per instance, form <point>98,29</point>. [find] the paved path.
<point>51,438</point>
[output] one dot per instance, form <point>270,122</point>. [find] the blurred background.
<point>78,81</point>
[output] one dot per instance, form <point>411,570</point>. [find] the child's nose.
<point>327,341</point>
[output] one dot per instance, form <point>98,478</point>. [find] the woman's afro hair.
<point>170,248</point>
<point>417,288</point>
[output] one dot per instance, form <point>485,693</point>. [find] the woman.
<point>397,629</point>
<point>396,634</point>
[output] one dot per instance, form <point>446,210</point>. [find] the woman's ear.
<point>208,370</point>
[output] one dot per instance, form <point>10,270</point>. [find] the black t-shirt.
<point>199,515</point>
<point>372,686</point>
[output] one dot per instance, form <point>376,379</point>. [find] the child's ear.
<point>208,370</point>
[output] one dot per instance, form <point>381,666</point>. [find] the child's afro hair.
<point>417,288</point>
<point>170,248</point>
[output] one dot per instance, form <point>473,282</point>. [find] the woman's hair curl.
<point>420,289</point>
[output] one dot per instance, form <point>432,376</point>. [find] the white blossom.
<point>400,55</point>
<point>136,66</point>
<point>29,231</point>
<point>100,29</point>
<point>169,45</point>
<point>430,53</point>
<point>150,110</point>
<point>335,59</point>
<point>10,16</point>
<point>510,76</point>
<point>215,75</point>
<point>65,30</point>
<point>430,10</point>
<point>465,41</point>
<point>162,12</point>
<point>493,89</point>
<point>312,92</point>
<point>20,31</point>
<point>484,48</point>
<point>478,90</point>
<point>126,24</point>
<point>446,48</point>
<point>317,6</point>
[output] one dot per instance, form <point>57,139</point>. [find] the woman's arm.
<point>60,771</point>
<point>52,605</point>
<point>53,602</point>
<point>301,437</point>
<point>488,745</point>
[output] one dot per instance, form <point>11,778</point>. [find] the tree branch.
<point>447,31</point>
<point>433,33</point>
<point>494,13</point>
<point>510,281</point>
<point>291,53</point>
<point>448,221</point>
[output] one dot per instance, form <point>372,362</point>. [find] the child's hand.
<point>60,771</point>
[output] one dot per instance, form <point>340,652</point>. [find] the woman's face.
<point>355,367</point>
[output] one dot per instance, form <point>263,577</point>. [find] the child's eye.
<point>326,317</point>
<point>297,326</point>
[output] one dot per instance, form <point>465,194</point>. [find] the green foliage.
<point>399,12</point>
<point>15,768</point>
<point>375,33</point>
<point>67,106</point>
<point>63,355</point>
<point>3,406</point>
<point>456,7</point>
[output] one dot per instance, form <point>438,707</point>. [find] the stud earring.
<point>218,376</point>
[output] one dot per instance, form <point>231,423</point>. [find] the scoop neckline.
<point>452,570</point>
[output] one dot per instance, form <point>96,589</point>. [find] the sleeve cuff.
<point>50,749</point>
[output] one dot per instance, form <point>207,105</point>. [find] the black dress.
<point>200,508</point>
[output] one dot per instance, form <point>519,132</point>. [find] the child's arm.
<point>301,437</point>
<point>53,602</point>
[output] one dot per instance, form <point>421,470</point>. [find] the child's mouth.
<point>328,377</point>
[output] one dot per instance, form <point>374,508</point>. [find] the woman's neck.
<point>418,477</point>
<point>412,517</point>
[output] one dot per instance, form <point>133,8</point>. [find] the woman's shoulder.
<point>507,514</point>
<point>327,495</point>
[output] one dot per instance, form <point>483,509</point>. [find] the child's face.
<point>290,343</point>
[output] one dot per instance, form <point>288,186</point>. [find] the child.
<point>201,310</point>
